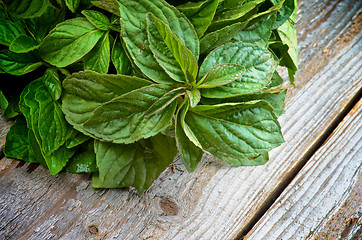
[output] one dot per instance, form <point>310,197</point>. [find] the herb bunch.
<point>117,88</point>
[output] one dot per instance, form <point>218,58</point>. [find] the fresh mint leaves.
<point>118,88</point>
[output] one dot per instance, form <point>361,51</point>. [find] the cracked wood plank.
<point>216,201</point>
<point>324,201</point>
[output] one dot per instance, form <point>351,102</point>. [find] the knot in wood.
<point>169,206</point>
<point>93,229</point>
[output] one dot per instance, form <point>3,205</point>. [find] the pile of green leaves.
<point>117,88</point>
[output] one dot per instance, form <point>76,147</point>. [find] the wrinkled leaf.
<point>23,44</point>
<point>108,5</point>
<point>69,41</point>
<point>134,33</point>
<point>98,19</point>
<point>221,74</point>
<point>27,8</point>
<point>168,50</point>
<point>99,57</point>
<point>9,31</point>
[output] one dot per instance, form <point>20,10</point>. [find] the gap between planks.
<point>304,159</point>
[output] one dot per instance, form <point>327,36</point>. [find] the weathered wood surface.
<point>216,201</point>
<point>325,200</point>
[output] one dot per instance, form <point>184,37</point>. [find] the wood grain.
<point>324,201</point>
<point>216,201</point>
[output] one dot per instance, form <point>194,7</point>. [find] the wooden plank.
<point>215,201</point>
<point>324,201</point>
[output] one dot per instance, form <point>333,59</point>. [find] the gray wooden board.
<point>324,200</point>
<point>216,201</point>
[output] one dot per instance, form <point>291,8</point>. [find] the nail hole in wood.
<point>93,229</point>
<point>169,207</point>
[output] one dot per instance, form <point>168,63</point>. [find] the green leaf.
<point>112,108</point>
<point>98,19</point>
<point>200,14</point>
<point>134,33</point>
<point>119,58</point>
<point>18,63</point>
<point>239,13</point>
<point>3,102</point>
<point>122,119</point>
<point>86,91</point>
<point>84,160</point>
<point>17,141</point>
<point>39,27</point>
<point>235,132</point>
<point>75,138</point>
<point>43,113</point>
<point>23,44</point>
<point>108,5</point>
<point>137,164</point>
<point>189,152</point>
<point>99,57</point>
<point>69,41</point>
<point>284,12</point>
<point>169,52</point>
<point>258,62</point>
<point>9,31</point>
<point>165,101</point>
<point>72,4</point>
<point>27,8</point>
<point>288,36</point>
<point>258,33</point>
<point>221,74</point>
<point>194,96</point>
<point>217,38</point>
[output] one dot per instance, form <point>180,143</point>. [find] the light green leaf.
<point>217,38</point>
<point>134,33</point>
<point>235,131</point>
<point>258,62</point>
<point>194,96</point>
<point>119,58</point>
<point>108,5</point>
<point>258,33</point>
<point>221,74</point>
<point>27,8</point>
<point>9,31</point>
<point>86,91</point>
<point>72,4</point>
<point>189,152</point>
<point>23,44</point>
<point>288,36</point>
<point>200,14</point>
<point>98,19</point>
<point>69,41</point>
<point>18,63</point>
<point>168,50</point>
<point>99,57</point>
<point>137,164</point>
<point>84,160</point>
<point>165,100</point>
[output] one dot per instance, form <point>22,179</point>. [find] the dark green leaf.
<point>84,160</point>
<point>200,14</point>
<point>9,31</point>
<point>17,141</point>
<point>137,164</point>
<point>217,38</point>
<point>108,5</point>
<point>3,102</point>
<point>189,152</point>
<point>23,44</point>
<point>235,132</point>
<point>168,50</point>
<point>258,33</point>
<point>27,8</point>
<point>18,63</point>
<point>221,74</point>
<point>69,41</point>
<point>72,4</point>
<point>284,12</point>
<point>258,62</point>
<point>97,19</point>
<point>119,58</point>
<point>134,33</point>
<point>75,138</point>
<point>99,57</point>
